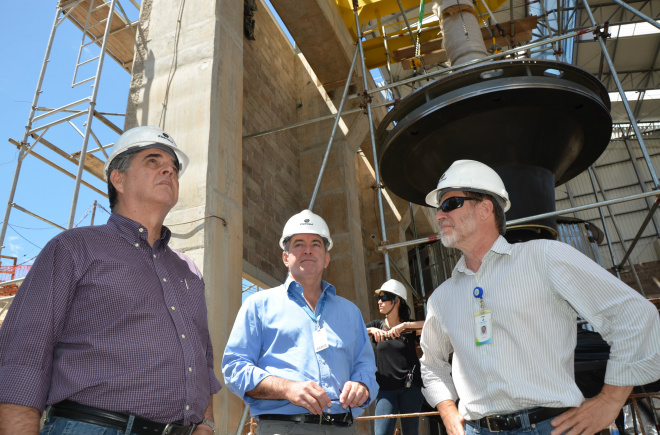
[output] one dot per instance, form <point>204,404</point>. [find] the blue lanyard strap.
<point>303,304</point>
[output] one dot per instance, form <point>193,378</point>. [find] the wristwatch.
<point>208,423</point>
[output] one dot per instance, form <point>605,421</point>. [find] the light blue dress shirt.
<point>272,335</point>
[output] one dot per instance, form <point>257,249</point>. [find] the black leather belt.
<point>499,423</point>
<point>345,419</point>
<point>87,414</point>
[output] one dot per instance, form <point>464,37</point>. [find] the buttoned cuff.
<point>636,373</point>
<point>24,386</point>
<point>439,392</point>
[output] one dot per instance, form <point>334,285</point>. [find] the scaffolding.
<point>108,27</point>
<point>65,131</point>
<point>566,31</point>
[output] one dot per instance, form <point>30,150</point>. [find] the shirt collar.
<point>501,247</point>
<point>292,286</point>
<point>130,230</point>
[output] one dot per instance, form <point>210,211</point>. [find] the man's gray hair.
<point>122,163</point>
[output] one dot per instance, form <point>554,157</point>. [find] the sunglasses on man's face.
<point>455,202</point>
<point>386,297</point>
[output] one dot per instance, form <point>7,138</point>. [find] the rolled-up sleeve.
<point>436,370</point>
<point>239,363</point>
<point>627,321</point>
<point>31,328</point>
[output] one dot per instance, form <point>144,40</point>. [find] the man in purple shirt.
<point>109,329</point>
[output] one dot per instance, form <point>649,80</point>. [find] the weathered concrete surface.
<point>186,69</point>
<point>321,35</point>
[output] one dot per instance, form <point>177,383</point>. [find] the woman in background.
<point>397,364</point>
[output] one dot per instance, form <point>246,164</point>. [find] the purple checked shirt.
<point>105,320</point>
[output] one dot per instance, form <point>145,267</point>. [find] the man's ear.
<point>117,180</point>
<point>285,258</point>
<point>486,209</point>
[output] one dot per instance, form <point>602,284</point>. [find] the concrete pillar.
<point>188,79</point>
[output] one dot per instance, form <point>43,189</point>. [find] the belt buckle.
<point>170,426</point>
<point>489,426</point>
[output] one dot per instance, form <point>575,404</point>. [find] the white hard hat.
<point>306,222</point>
<point>472,176</point>
<point>395,287</point>
<point>141,138</point>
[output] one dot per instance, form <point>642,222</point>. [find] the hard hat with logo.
<point>395,287</point>
<point>140,138</point>
<point>472,176</point>
<point>306,222</point>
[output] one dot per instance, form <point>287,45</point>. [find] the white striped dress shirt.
<point>535,291</point>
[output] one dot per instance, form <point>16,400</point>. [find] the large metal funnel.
<point>538,123</point>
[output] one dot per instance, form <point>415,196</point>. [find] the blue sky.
<point>24,31</point>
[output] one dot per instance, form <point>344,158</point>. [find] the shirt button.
<point>164,279</point>
<point>187,407</point>
<point>490,379</point>
<point>173,308</point>
<point>154,255</point>
<point>190,369</point>
<point>183,335</point>
<point>141,230</point>
<point>137,245</point>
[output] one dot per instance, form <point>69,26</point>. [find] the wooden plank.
<point>93,164</point>
<point>121,42</point>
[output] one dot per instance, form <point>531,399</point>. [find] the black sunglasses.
<point>386,297</point>
<point>455,202</point>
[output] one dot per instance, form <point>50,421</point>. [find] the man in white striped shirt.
<point>516,374</point>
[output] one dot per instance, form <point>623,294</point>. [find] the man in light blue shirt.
<point>298,354</point>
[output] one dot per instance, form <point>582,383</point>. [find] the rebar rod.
<point>605,230</point>
<point>90,115</point>
<point>313,120</point>
<point>641,230</point>
<point>592,172</point>
<point>28,127</point>
<point>379,185</point>
<point>334,129</point>
<point>405,18</point>
<point>417,78</point>
<point>418,257</point>
<point>624,100</point>
<point>642,184</point>
<point>530,218</point>
<point>649,20</point>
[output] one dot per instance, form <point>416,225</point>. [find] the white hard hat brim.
<point>434,196</point>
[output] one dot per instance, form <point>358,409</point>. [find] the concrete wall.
<point>271,163</point>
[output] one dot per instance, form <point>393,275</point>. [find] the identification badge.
<point>320,340</point>
<point>483,333</point>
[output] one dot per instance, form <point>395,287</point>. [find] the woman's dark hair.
<point>404,311</point>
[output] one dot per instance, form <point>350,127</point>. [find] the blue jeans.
<point>541,428</point>
<point>64,426</point>
<point>405,401</point>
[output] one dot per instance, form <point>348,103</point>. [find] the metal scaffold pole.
<point>379,185</point>
<point>426,76</point>
<point>418,257</point>
<point>435,237</point>
<point>90,114</point>
<point>334,129</point>
<point>23,151</point>
<point>624,99</point>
